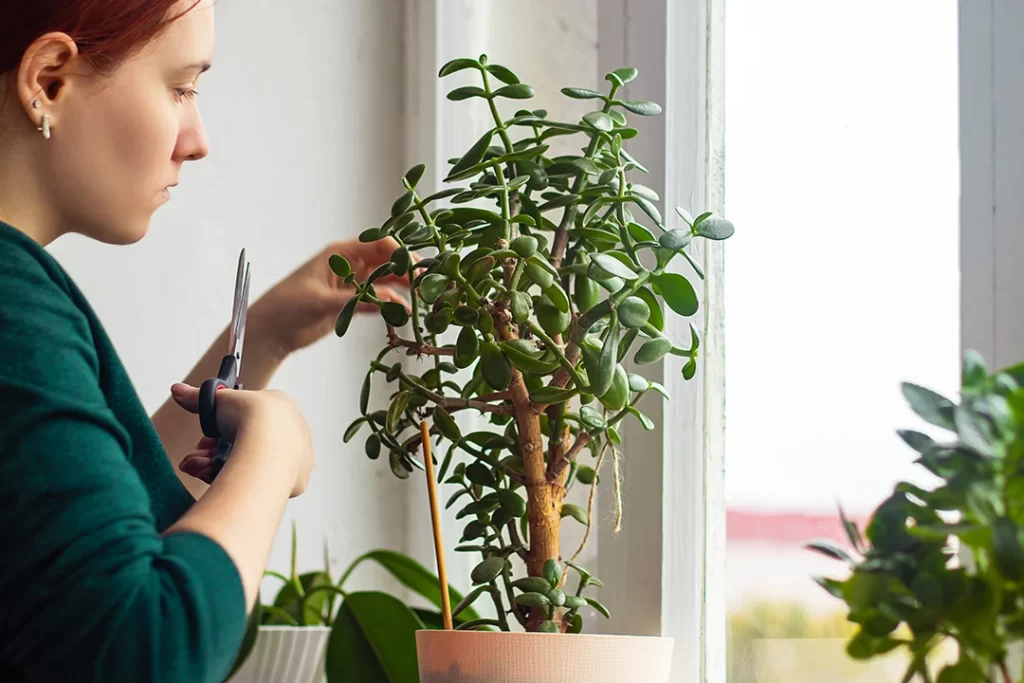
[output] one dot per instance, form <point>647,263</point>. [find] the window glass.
<point>842,177</point>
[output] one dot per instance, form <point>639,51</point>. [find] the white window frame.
<point>666,570</point>
<point>669,561</point>
<point>992,205</point>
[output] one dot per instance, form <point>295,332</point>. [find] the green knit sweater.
<point>90,587</point>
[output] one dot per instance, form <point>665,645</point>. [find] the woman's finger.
<point>382,248</point>
<point>186,396</point>
<point>199,465</point>
<point>206,443</point>
<point>198,457</point>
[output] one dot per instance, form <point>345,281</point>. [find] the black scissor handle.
<point>226,377</point>
<point>223,450</point>
<point>208,406</point>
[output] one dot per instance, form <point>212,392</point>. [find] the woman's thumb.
<point>186,396</point>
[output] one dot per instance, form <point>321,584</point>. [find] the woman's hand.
<point>293,314</point>
<point>271,418</point>
<point>303,308</point>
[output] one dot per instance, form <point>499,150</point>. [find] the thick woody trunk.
<point>544,497</point>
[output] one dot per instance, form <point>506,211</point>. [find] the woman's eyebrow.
<point>199,67</point>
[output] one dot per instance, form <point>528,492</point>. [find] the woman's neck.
<point>23,203</point>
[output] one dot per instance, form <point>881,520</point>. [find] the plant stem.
<point>499,124</point>
<point>415,311</point>
<point>427,220</point>
<point>507,582</point>
<point>1007,678</point>
<point>620,213</point>
<point>556,468</point>
<point>351,568</point>
<point>517,274</point>
<point>419,346</point>
<point>506,209</point>
<point>568,366</point>
<point>562,233</point>
<point>443,401</point>
<point>513,533</point>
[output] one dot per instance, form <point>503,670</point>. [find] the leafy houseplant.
<point>947,563</point>
<point>548,283</point>
<point>371,633</point>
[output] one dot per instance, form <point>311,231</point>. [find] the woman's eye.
<point>185,93</point>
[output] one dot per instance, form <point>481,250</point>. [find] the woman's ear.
<point>44,75</point>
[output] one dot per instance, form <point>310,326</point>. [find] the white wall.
<point>303,112</point>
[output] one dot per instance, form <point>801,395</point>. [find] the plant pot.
<point>286,653</point>
<point>488,657</point>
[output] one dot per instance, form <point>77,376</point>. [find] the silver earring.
<point>36,104</point>
<point>46,126</point>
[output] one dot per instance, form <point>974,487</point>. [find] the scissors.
<point>229,375</point>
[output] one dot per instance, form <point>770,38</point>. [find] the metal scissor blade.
<point>243,315</point>
<point>236,304</point>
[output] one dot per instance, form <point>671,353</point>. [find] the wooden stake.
<point>435,516</point>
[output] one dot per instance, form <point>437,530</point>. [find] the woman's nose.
<point>192,143</point>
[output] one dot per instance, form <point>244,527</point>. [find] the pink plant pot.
<point>487,657</point>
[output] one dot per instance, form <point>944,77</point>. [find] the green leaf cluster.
<point>946,562</point>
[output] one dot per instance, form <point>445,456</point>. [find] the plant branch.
<point>415,313</point>
<point>419,347</point>
<point>444,401</point>
<point>465,403</point>
<point>562,233</point>
<point>556,467</point>
<point>517,540</point>
<point>499,608</point>
<point>620,213</point>
<point>507,582</point>
<point>516,477</point>
<point>502,131</point>
<point>580,326</point>
<point>493,462</point>
<point>1007,678</point>
<point>567,365</point>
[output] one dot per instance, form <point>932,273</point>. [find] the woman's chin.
<point>128,233</point>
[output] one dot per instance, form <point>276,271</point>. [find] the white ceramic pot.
<point>489,657</point>
<point>286,653</point>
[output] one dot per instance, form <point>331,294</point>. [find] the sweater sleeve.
<point>89,589</point>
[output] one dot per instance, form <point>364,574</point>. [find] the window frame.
<point>669,561</point>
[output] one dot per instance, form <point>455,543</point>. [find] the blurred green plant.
<point>373,634</point>
<point>948,563</point>
<point>551,285</point>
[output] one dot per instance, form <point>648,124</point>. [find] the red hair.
<point>106,31</point>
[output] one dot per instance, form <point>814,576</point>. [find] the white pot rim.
<point>618,638</point>
<point>305,629</point>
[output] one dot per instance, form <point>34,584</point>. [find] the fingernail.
<point>179,390</point>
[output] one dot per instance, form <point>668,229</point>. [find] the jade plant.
<point>945,564</point>
<point>531,288</point>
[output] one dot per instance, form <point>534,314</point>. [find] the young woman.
<point>119,559</point>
